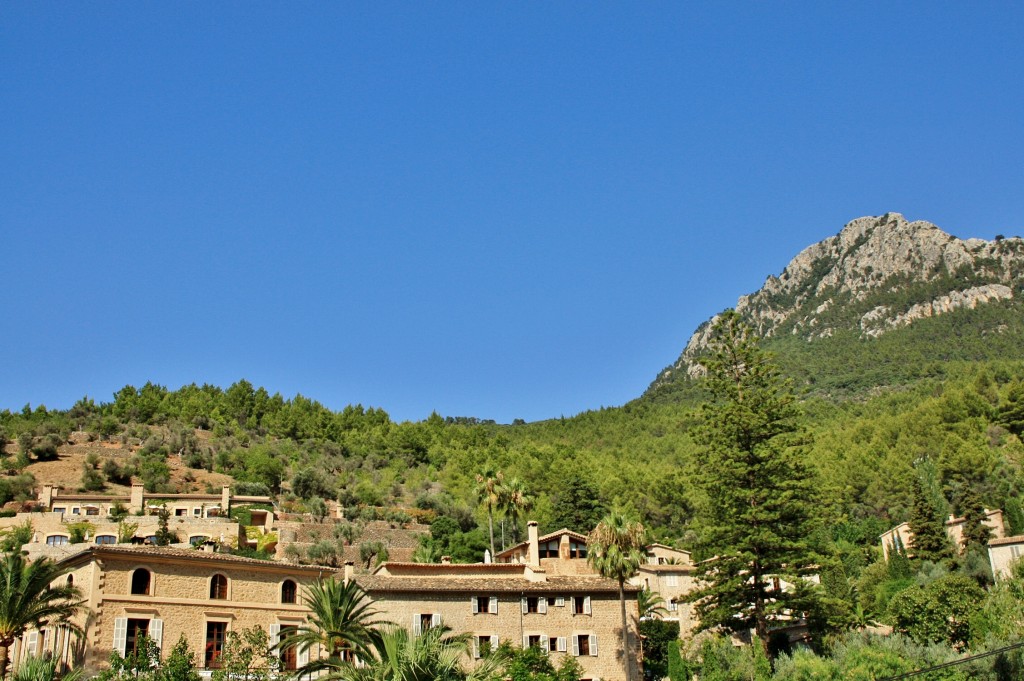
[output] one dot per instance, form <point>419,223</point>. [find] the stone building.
<point>560,607</point>
<point>954,530</point>
<point>180,505</point>
<point>1003,552</point>
<point>165,593</point>
<point>670,573</point>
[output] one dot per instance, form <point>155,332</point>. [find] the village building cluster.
<point>541,592</point>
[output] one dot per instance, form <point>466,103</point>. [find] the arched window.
<point>56,540</point>
<point>106,539</point>
<point>288,591</point>
<point>141,581</point>
<point>219,587</point>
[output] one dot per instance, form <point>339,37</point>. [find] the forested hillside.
<point>963,422</point>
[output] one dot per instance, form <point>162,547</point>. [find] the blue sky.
<point>501,210</point>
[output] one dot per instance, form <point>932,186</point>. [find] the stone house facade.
<point>1003,552</point>
<point>139,502</point>
<point>53,530</point>
<point>670,573</point>
<point>563,615</point>
<point>954,530</point>
<point>165,593</point>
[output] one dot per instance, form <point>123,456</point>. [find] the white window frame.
<point>591,644</point>
<point>587,608</point>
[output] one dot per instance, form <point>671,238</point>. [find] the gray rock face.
<point>912,270</point>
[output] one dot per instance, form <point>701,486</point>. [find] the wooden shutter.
<point>526,641</point>
<point>560,644</point>
<point>542,606</point>
<point>544,642</point>
<point>156,632</point>
<point>475,603</point>
<point>435,620</point>
<point>586,605</point>
<point>302,656</point>
<point>493,603</point>
<point>416,628</point>
<point>32,645</point>
<point>576,645</point>
<point>593,645</point>
<point>523,603</point>
<point>559,601</point>
<point>494,642</point>
<point>120,634</point>
<point>476,647</point>
<point>275,634</point>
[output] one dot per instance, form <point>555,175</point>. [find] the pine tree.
<point>976,533</point>
<point>930,541</point>
<point>758,512</point>
<point>577,505</point>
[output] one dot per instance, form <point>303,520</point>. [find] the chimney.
<point>46,497</point>
<point>446,560</point>
<point>137,499</point>
<point>350,570</point>
<point>534,550</point>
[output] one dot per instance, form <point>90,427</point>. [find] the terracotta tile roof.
<point>197,555</point>
<point>382,584</point>
<point>1016,539</point>
<point>455,568</point>
<point>667,567</point>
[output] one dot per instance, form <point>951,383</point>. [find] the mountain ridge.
<point>877,276</point>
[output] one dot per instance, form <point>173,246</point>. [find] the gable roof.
<point>545,538</point>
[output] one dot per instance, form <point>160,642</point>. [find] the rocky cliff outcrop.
<point>876,275</point>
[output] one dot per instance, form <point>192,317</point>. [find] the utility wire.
<point>954,663</point>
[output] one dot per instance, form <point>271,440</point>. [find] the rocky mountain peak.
<point>876,275</point>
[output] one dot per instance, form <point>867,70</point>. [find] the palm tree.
<point>341,619</point>
<point>650,604</point>
<point>515,502</point>
<point>28,599</point>
<point>615,550</point>
<point>434,655</point>
<point>488,490</point>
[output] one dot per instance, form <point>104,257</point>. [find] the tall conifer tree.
<point>930,541</point>
<point>976,533</point>
<point>757,515</point>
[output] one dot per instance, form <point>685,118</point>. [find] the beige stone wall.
<point>993,519</point>
<point>180,599</point>
<point>510,624</point>
<point>889,538</point>
<point>672,584</point>
<point>180,588</point>
<point>658,554</point>
<point>1001,556</point>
